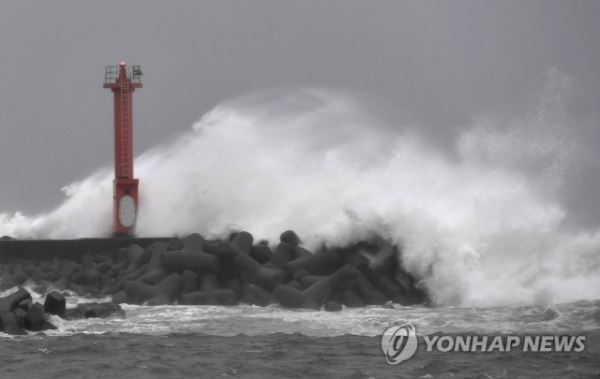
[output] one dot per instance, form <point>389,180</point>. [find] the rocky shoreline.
<point>195,271</point>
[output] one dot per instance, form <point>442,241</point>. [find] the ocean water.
<point>272,342</point>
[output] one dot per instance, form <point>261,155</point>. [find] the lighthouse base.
<point>125,206</point>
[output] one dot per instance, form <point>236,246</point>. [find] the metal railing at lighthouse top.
<point>111,74</point>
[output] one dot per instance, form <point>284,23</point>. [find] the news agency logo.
<point>399,343</point>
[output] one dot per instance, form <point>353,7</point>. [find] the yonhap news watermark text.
<point>399,343</point>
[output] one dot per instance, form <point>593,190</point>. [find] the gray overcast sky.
<point>441,62</point>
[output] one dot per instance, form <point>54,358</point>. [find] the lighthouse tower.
<point>122,81</point>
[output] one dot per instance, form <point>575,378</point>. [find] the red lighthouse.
<point>122,82</point>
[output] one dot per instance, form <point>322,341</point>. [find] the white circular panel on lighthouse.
<point>127,211</point>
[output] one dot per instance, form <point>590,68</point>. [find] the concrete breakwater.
<point>19,313</point>
<point>15,250</point>
<point>196,271</point>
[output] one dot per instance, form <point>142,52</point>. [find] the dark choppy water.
<point>271,342</point>
<point>275,355</point>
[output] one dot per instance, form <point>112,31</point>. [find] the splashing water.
<point>476,228</point>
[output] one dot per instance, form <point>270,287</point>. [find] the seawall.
<point>67,249</point>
